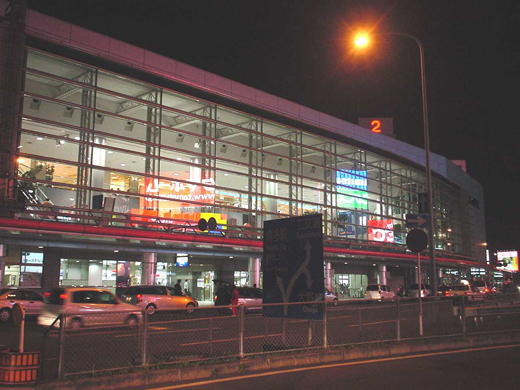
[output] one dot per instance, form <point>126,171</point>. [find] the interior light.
<point>39,138</point>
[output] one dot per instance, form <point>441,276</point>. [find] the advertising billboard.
<point>381,230</point>
<point>352,189</point>
<point>508,260</point>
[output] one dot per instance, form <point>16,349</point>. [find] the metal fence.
<point>212,332</point>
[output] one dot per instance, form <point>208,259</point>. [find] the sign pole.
<point>419,283</point>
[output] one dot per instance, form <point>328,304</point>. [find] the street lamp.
<point>363,40</point>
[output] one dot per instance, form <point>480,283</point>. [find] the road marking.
<point>227,340</point>
<point>292,370</point>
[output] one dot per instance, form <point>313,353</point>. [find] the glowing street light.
<point>362,40</point>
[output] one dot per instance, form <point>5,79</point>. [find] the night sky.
<point>301,50</point>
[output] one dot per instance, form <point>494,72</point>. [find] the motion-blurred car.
<point>379,292</point>
<point>157,298</point>
<point>331,297</point>
<point>30,300</point>
<point>84,306</point>
<point>470,292</point>
<point>413,291</point>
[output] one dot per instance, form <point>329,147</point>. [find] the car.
<point>250,297</point>
<point>465,290</point>
<point>413,291</point>
<point>331,297</point>
<point>30,300</point>
<point>85,306</point>
<point>484,287</point>
<point>379,292</point>
<point>444,291</point>
<point>154,298</point>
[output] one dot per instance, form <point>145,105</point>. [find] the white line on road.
<point>264,374</point>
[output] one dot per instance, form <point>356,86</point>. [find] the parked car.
<point>413,291</point>
<point>379,292</point>
<point>30,300</point>
<point>465,290</point>
<point>331,297</point>
<point>252,297</point>
<point>153,298</point>
<point>86,306</point>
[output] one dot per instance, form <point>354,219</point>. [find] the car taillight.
<point>486,290</point>
<point>46,295</point>
<point>139,298</point>
<point>63,296</point>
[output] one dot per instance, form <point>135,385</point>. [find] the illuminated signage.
<point>383,126</point>
<point>352,189</point>
<point>376,126</point>
<point>182,191</point>
<point>381,230</point>
<point>508,260</point>
<point>181,260</point>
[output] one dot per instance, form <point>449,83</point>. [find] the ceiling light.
<point>123,165</point>
<point>110,152</point>
<point>39,138</point>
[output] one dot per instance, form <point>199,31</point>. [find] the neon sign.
<point>376,126</point>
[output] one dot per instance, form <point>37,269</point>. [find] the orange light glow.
<point>361,40</point>
<point>376,126</point>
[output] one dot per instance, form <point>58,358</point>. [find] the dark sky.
<point>300,50</point>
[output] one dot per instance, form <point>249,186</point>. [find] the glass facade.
<point>164,158</point>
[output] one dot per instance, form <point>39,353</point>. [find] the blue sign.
<point>416,221</point>
<point>292,266</point>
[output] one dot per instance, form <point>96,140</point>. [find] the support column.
<point>148,267</point>
<point>328,276</point>
<point>51,269</point>
<point>381,274</point>
<point>254,271</point>
<point>271,189</point>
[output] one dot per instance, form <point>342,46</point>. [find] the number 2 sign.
<point>376,126</point>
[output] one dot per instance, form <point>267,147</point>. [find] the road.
<point>482,368</point>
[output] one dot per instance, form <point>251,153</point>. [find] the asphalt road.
<point>476,369</point>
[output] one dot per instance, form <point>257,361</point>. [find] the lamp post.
<point>363,40</point>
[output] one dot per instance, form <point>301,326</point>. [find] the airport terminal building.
<point>111,154</point>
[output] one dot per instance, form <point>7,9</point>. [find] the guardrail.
<point>176,336</point>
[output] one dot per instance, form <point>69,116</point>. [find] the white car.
<point>84,306</point>
<point>379,292</point>
<point>331,297</point>
<point>30,300</point>
<point>413,291</point>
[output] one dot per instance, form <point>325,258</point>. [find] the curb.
<point>259,363</point>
